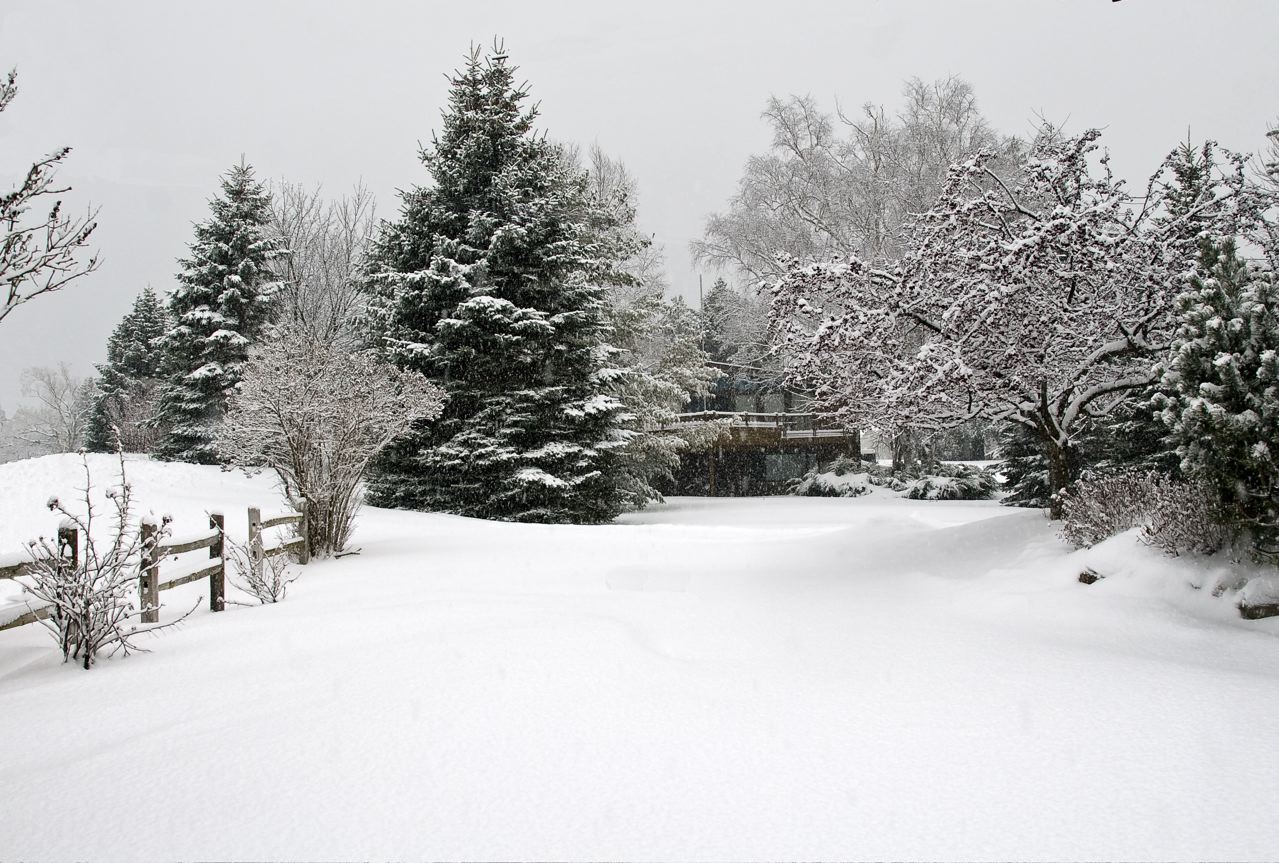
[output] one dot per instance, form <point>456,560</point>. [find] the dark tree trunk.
<point>904,452</point>
<point>1060,472</point>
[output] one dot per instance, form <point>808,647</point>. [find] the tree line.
<point>502,348</point>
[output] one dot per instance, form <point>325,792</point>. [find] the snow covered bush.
<point>939,482</point>
<point>1185,517</point>
<point>887,477</point>
<point>316,413</point>
<point>1097,508</point>
<point>93,595</point>
<point>1175,516</point>
<point>829,483</point>
<point>953,482</point>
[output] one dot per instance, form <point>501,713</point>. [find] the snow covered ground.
<point>772,678</point>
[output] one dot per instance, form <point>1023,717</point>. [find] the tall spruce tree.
<point>490,283</point>
<point>1221,387</point>
<point>127,381</point>
<point>220,305</point>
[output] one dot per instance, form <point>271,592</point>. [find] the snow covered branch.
<point>316,413</point>
<point>39,254</point>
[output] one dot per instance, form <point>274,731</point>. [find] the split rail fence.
<point>150,579</point>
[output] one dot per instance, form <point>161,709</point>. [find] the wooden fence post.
<point>68,556</point>
<point>255,543</point>
<point>217,581</point>
<point>304,526</point>
<point>69,546</point>
<point>149,582</point>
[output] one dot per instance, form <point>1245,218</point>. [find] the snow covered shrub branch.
<point>38,254</point>
<point>316,413</point>
<point>1039,301</point>
<point>1175,516</point>
<point>92,595</point>
<point>265,578</point>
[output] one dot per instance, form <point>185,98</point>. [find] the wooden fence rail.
<point>150,582</point>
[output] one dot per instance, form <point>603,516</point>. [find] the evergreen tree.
<point>660,365</point>
<point>1223,388</point>
<point>221,304</point>
<point>490,283</point>
<point>127,381</point>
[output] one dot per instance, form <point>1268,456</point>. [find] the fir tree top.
<point>219,306</point>
<point>131,348</point>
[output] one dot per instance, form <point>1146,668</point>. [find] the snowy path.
<point>777,679</point>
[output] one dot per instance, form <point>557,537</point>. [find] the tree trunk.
<point>1060,473</point>
<point>903,444</point>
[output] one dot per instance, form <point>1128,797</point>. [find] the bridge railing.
<point>791,425</point>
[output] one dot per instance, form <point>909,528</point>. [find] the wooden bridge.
<point>763,453</point>
<point>747,429</point>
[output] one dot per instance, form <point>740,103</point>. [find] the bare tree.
<point>39,254</point>
<point>329,240</point>
<point>58,421</point>
<point>613,188</point>
<point>130,413</point>
<point>819,194</point>
<point>316,413</point>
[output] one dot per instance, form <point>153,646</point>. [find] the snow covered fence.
<point>150,582</point>
<point>150,585</point>
<point>298,543</point>
<point>68,549</point>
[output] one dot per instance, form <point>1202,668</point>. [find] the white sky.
<point>158,97</point>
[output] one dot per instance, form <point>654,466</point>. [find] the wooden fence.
<point>151,582</point>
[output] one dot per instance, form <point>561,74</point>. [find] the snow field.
<point>772,678</point>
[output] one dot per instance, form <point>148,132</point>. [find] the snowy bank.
<point>776,678</point>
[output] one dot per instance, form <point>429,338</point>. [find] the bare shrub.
<point>1097,508</point>
<point>94,609</point>
<point>316,413</point>
<point>1185,517</point>
<point>266,579</point>
<point>1175,516</point>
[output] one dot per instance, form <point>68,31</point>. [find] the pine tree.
<point>490,284</point>
<point>1223,388</point>
<point>127,381</point>
<point>221,304</point>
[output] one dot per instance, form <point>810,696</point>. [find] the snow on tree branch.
<point>39,250</point>
<point>316,413</point>
<point>1029,300</point>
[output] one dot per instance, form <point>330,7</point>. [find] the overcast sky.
<point>158,97</point>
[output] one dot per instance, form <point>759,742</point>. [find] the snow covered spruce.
<point>495,282</point>
<point>221,304</point>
